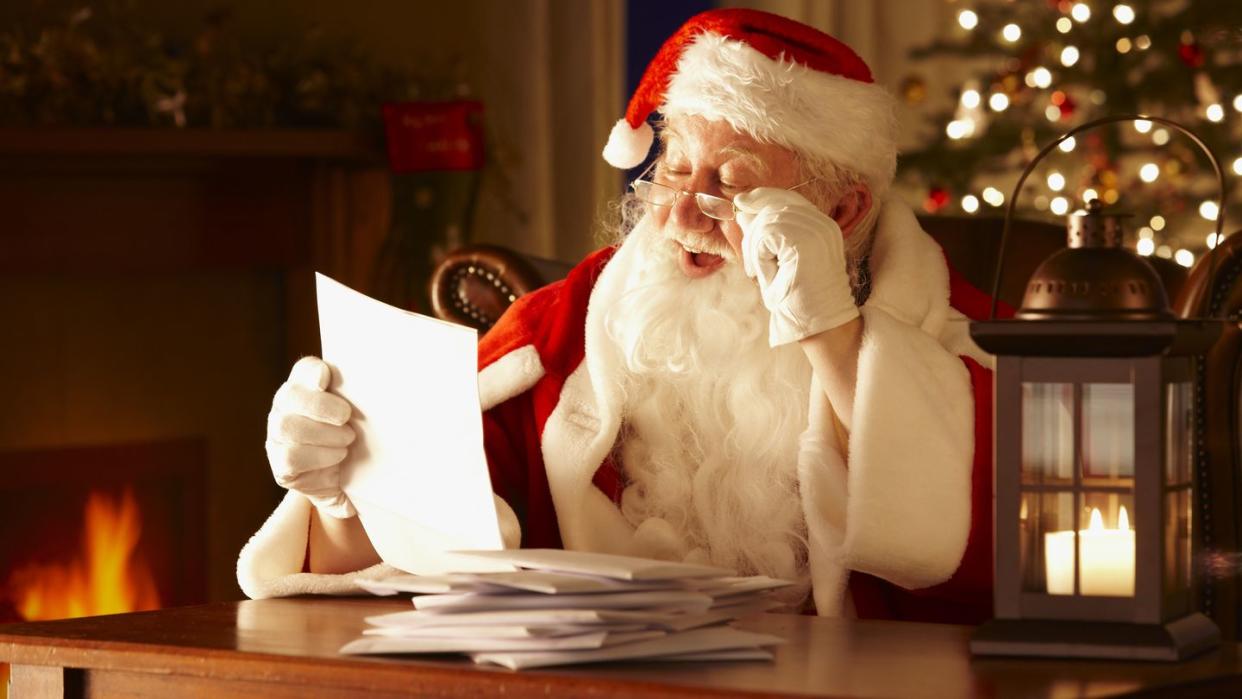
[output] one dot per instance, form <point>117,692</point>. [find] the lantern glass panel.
<point>1047,433</point>
<point>1108,434</point>
<point>1177,523</point>
<point>1048,542</point>
<point>1179,432</point>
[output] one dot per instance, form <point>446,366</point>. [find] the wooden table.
<point>287,648</point>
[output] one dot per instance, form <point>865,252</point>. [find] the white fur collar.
<point>910,279</point>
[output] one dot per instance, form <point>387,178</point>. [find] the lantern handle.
<point>1013,199</point>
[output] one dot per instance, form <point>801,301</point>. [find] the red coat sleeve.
<point>552,320</point>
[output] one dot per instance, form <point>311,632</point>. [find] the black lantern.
<point>1093,458</point>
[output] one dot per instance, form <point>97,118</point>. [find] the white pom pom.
<point>628,147</point>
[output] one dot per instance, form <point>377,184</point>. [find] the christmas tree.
<point>1052,65</point>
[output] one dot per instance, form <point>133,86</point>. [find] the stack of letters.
<point>549,607</point>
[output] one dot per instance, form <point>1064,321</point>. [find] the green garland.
<point>104,65</point>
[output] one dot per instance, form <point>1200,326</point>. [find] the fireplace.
<point>105,529</point>
<point>156,286</point>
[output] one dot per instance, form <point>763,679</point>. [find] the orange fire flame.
<point>109,578</point>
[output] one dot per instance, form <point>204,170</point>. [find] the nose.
<point>686,213</point>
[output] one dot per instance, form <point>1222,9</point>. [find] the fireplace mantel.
<point>333,145</point>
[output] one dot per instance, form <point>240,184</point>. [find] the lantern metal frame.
<point>1150,624</point>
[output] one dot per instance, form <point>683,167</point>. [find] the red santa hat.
<point>771,77</point>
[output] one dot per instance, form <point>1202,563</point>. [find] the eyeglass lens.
<point>661,195</point>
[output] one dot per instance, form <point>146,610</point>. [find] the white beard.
<point>711,418</point>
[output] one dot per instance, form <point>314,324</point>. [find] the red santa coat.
<point>898,518</point>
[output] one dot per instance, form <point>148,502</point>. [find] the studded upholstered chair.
<point>475,284</point>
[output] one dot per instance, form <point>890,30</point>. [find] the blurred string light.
<point>1056,181</point>
<point>1059,205</point>
<point>1237,166</point>
<point>1209,210</point>
<point>968,19</point>
<point>970,203</point>
<point>1081,12</point>
<point>1011,32</point>
<point>1146,246</point>
<point>970,99</point>
<point>993,196</point>
<point>1124,45</point>
<point>1212,240</point>
<point>998,101</point>
<point>1142,42</point>
<point>1064,25</point>
<point>1052,112</point>
<point>1146,232</point>
<point>1089,194</point>
<point>1041,77</point>
<point>1069,56</point>
<point>1150,172</point>
<point>1041,202</point>
<point>959,129</point>
<point>1215,113</point>
<point>1184,257</point>
<point>1237,103</point>
<point>1123,13</point>
<point>1142,125</point>
<point>1164,251</point>
<point>1160,137</point>
<point>1157,223</point>
<point>1068,144</point>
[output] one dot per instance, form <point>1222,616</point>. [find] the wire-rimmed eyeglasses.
<point>712,206</point>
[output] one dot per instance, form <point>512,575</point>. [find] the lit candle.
<point>1107,561</point>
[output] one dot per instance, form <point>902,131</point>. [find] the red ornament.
<point>937,198</point>
<point>1191,53</point>
<point>1063,102</point>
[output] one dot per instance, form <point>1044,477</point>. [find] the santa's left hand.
<point>797,254</point>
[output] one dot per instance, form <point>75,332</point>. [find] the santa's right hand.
<point>307,437</point>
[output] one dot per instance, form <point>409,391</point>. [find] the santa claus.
<point>766,372</point>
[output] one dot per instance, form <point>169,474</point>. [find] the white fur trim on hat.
<point>847,122</point>
<point>627,147</point>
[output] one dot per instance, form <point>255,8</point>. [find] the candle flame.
<point>1097,521</point>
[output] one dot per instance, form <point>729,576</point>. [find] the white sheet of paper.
<point>553,583</point>
<point>496,631</point>
<point>600,639</point>
<point>601,564</point>
<point>529,618</point>
<point>695,642</point>
<point>690,602</point>
<point>417,473</point>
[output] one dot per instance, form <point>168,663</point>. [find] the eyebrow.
<point>748,157</point>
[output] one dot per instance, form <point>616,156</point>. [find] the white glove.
<point>307,436</point>
<point>797,254</point>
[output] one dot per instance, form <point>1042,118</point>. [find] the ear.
<point>851,208</point>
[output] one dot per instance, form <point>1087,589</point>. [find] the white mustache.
<point>698,242</point>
